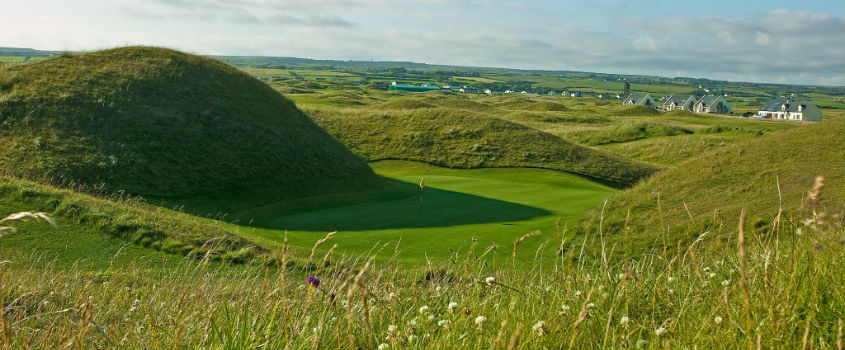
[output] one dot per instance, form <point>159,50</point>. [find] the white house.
<point>679,103</point>
<point>783,108</point>
<point>639,100</point>
<point>711,104</point>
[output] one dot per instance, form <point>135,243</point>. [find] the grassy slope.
<point>464,139</point>
<point>718,184</point>
<point>161,123</point>
<point>93,224</point>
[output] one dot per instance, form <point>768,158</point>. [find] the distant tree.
<point>627,88</point>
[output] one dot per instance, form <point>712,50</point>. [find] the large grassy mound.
<point>161,123</point>
<point>461,139</point>
<point>707,193</point>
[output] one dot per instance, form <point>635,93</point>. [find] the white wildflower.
<point>430,318</point>
<point>412,323</point>
<point>452,306</point>
<point>591,305</point>
<point>717,319</point>
<point>383,346</point>
<point>711,275</point>
<point>134,305</point>
<point>424,309</point>
<point>443,323</point>
<point>726,283</point>
<point>621,276</point>
<point>391,328</point>
<point>577,293</point>
<point>480,320</point>
<point>670,279</point>
<point>624,320</point>
<point>660,331</point>
<point>641,343</point>
<point>490,280</point>
<point>539,327</point>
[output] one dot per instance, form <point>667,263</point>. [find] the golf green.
<point>453,207</point>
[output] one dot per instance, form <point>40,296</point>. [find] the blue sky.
<point>762,41</point>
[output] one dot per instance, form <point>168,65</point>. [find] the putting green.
<point>495,206</point>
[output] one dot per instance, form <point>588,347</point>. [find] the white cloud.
<point>781,45</point>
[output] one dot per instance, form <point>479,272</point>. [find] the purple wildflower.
<point>313,281</point>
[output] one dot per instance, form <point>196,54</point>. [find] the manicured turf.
<point>492,205</point>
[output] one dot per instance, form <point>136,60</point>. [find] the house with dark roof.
<point>679,103</point>
<point>711,104</point>
<point>784,108</point>
<point>639,100</point>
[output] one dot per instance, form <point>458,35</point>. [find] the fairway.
<point>495,206</point>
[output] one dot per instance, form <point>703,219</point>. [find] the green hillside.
<point>91,227</point>
<point>161,123</point>
<point>707,193</point>
<point>462,139</point>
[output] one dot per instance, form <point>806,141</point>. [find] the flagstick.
<point>422,186</point>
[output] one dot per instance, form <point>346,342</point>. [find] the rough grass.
<point>128,220</point>
<point>574,118</point>
<point>405,103</point>
<point>626,132</point>
<point>763,291</point>
<point>528,104</point>
<point>161,123</point>
<point>637,111</point>
<point>706,193</point>
<point>668,151</point>
<point>466,140</point>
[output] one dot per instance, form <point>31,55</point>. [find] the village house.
<point>639,100</point>
<point>679,103</point>
<point>711,104</point>
<point>783,108</point>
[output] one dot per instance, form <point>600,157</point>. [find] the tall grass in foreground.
<point>781,290</point>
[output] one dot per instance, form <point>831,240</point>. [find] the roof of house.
<point>635,97</point>
<point>678,99</point>
<point>775,105</point>
<point>707,100</point>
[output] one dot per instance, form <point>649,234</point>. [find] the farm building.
<point>711,104</point>
<point>639,100</point>
<point>413,88</point>
<point>783,108</point>
<point>679,103</point>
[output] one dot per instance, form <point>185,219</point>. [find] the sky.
<point>776,41</point>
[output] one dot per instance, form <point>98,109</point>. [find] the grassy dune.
<point>162,123</point>
<point>463,139</point>
<point>706,193</point>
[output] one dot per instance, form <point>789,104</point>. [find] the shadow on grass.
<point>410,208</point>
